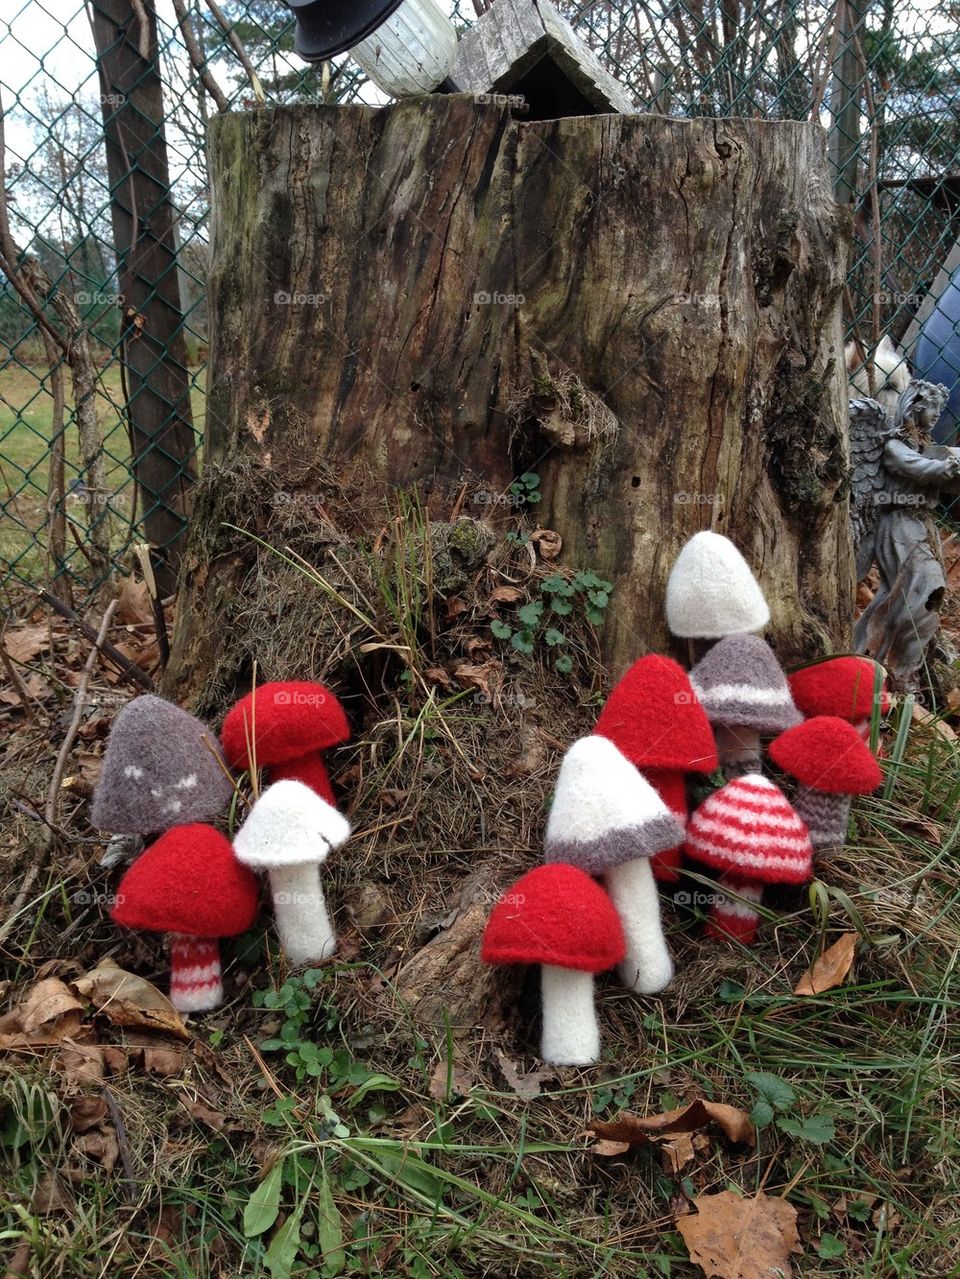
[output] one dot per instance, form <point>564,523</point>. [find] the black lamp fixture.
<point>406,47</point>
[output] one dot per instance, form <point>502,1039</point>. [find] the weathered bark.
<point>643,310</point>
<point>154,351</point>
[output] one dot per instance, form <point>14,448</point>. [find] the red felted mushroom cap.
<point>555,915</point>
<point>287,718</point>
<point>749,827</point>
<point>827,754</point>
<point>188,882</point>
<point>843,686</point>
<point>654,718</point>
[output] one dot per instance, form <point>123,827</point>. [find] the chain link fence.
<point>103,332</point>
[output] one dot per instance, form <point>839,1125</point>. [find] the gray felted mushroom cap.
<point>604,812</point>
<point>740,684</point>
<point>162,768</point>
<point>289,825</point>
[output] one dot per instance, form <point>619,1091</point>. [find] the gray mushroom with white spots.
<point>163,767</point>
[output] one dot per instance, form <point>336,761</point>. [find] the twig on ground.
<point>129,1180</point>
<point>53,793</point>
<point>128,670</point>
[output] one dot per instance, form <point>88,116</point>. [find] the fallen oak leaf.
<point>732,1237</point>
<point>526,1084</point>
<point>129,1000</point>
<point>831,969</point>
<point>646,1130</point>
<point>87,1113</point>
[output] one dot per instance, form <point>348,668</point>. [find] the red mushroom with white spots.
<point>654,719</point>
<point>749,831</point>
<point>189,885</point>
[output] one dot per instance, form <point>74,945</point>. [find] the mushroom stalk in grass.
<point>289,833</point>
<point>711,591</point>
<point>189,884</point>
<point>847,687</point>
<point>654,719</point>
<point>830,762</point>
<point>163,767</point>
<point>560,918</point>
<point>745,694</point>
<point>748,831</point>
<point>282,727</point>
<point>607,820</point>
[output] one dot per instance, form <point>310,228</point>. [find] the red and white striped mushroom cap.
<point>749,827</point>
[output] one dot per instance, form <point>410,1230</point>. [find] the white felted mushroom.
<point>289,833</point>
<point>711,591</point>
<point>608,820</point>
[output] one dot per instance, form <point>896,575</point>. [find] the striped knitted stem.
<point>734,918</point>
<point>739,750</point>
<point>672,789</point>
<point>195,973</point>
<point>827,816</point>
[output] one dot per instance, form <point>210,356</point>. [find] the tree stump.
<point>642,310</point>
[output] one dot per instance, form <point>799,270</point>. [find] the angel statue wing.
<point>869,431</point>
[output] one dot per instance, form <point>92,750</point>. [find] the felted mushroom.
<point>745,694</point>
<point>162,768</point>
<point>653,718</point>
<point>607,820</point>
<point>749,831</point>
<point>711,591</point>
<point>830,762</point>
<point>560,918</point>
<point>282,727</point>
<point>190,885</point>
<point>289,832</point>
<point>843,686</point>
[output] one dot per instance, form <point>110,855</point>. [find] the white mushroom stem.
<point>571,1036</point>
<point>306,933</point>
<point>738,749</point>
<point>648,965</point>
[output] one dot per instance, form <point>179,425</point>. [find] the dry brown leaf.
<point>676,1154</point>
<point>133,604</point>
<point>547,542</point>
<point>23,643</point>
<point>645,1130</point>
<point>87,1113</point>
<point>437,675</point>
<point>477,676</point>
<point>163,1060</point>
<point>731,1237</point>
<point>831,969</point>
<point>52,1194</point>
<point>128,1000</point>
<point>115,1059</point>
<point>35,685</point>
<point>101,1146</point>
<point>204,1114</point>
<point>49,1005</point>
<point>458,1084</point>
<point>526,1084</point>
<point>504,595</point>
<point>82,1064</point>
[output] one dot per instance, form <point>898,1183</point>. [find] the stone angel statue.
<point>897,478</point>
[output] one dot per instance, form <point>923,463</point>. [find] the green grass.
<point>26,413</point>
<point>354,1142</point>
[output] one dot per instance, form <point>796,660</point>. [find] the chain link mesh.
<point>883,80</point>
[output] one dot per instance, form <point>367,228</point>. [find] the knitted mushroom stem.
<point>734,917</point>
<point>738,749</point>
<point>571,1036</point>
<point>299,907</point>
<point>827,816</point>
<point>195,985</point>
<point>647,966</point>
